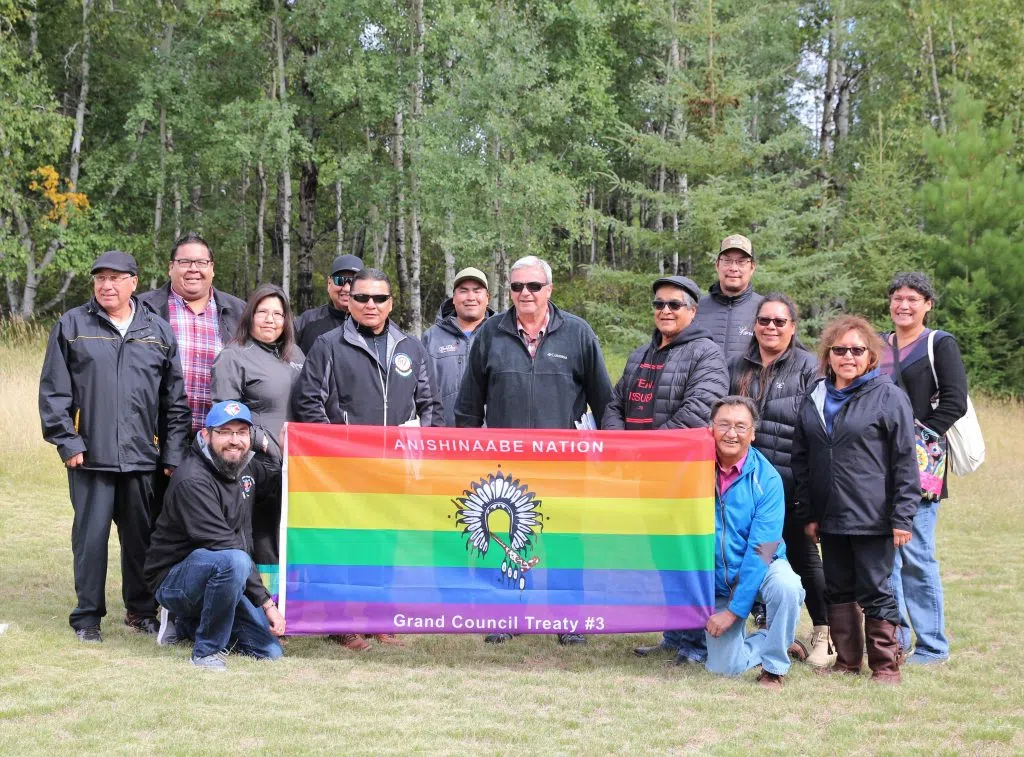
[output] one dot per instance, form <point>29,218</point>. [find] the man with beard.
<point>199,564</point>
<point>730,306</point>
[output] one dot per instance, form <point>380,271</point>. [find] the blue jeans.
<point>206,592</point>
<point>688,643</point>
<point>918,589</point>
<point>734,652</point>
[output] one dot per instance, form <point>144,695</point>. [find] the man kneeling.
<point>199,564</point>
<point>750,560</point>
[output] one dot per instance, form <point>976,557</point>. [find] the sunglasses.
<point>533,286</point>
<point>341,279</point>
<point>672,305</point>
<point>840,351</point>
<point>362,299</point>
<point>778,322</point>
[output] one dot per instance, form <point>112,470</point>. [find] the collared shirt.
<point>532,341</point>
<point>199,343</point>
<point>727,478</point>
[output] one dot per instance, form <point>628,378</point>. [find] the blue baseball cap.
<point>227,411</point>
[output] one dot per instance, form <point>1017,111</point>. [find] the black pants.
<point>857,569</point>
<point>100,498</point>
<point>803,556</point>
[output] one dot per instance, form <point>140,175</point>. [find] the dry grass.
<point>453,694</point>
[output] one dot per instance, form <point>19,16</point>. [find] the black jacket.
<point>693,378</point>
<point>778,393</point>
<point>505,388</point>
<point>204,509</point>
<point>729,319</point>
<point>229,309</point>
<point>316,321</point>
<point>863,480</point>
<point>447,352</point>
<point>344,381</point>
<point>121,401</point>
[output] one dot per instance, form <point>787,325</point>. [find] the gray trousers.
<point>100,498</point>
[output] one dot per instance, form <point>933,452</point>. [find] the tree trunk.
<point>828,106</point>
<point>929,48</point>
<point>261,216</point>
<point>339,223</point>
<point>243,219</point>
<point>307,234</point>
<point>415,319</point>
<point>285,178</point>
<point>158,208</point>
<point>398,216</point>
<point>449,253</point>
<point>499,260</point>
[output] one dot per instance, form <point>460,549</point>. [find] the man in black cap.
<point>730,306</point>
<point>317,321</point>
<point>112,400</point>
<point>671,382</point>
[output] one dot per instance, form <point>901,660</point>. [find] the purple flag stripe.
<point>359,617</point>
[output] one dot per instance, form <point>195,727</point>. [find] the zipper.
<point>725,560</point>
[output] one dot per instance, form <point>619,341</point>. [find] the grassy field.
<point>453,694</point>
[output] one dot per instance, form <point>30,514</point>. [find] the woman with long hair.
<point>857,488</point>
<point>775,372</point>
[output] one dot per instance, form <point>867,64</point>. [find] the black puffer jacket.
<point>447,353</point>
<point>778,392</point>
<point>316,321</point>
<point>694,377</point>
<point>121,401</point>
<point>863,479</point>
<point>729,319</point>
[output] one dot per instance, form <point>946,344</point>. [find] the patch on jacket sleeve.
<point>766,551</point>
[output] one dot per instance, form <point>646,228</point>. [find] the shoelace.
<point>818,637</point>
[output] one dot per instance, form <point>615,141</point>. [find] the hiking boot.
<point>388,639</point>
<point>213,662</point>
<point>883,650</point>
<point>846,623</point>
<point>662,647</point>
<point>497,638</point>
<point>352,641</point>
<point>770,681</point>
<point>140,623</point>
<point>89,634</point>
<point>167,634</point>
<point>822,653</point>
<point>798,650</point>
<point>682,659</point>
<point>572,639</point>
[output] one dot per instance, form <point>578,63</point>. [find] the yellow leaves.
<point>47,183</point>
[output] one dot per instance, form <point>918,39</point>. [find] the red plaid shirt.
<point>199,343</point>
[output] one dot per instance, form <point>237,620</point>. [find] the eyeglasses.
<point>740,428</point>
<point>915,301</point>
<point>840,351</point>
<point>201,264</point>
<point>105,278</point>
<point>777,322</point>
<point>362,299</point>
<point>224,433</point>
<point>735,262</point>
<point>533,286</point>
<point>341,279</point>
<point>672,305</point>
<point>269,315</point>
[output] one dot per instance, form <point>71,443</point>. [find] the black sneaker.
<point>141,624</point>
<point>572,639</point>
<point>662,647</point>
<point>497,638</point>
<point>168,633</point>
<point>90,634</point>
<point>683,659</point>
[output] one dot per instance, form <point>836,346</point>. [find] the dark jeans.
<point>100,498</point>
<point>858,569</point>
<point>803,556</point>
<point>206,592</point>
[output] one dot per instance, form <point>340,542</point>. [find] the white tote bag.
<point>965,446</point>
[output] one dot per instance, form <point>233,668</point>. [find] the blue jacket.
<point>748,532</point>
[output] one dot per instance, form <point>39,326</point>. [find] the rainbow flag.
<point>422,530</point>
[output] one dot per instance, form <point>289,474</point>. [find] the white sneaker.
<point>168,633</point>
<point>822,653</point>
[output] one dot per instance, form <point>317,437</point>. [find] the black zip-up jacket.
<point>863,479</point>
<point>694,377</point>
<point>121,401</point>
<point>205,509</point>
<point>229,309</point>
<point>344,381</point>
<point>316,321</point>
<point>505,388</point>
<point>778,392</point>
<point>729,319</point>
<point>447,352</point>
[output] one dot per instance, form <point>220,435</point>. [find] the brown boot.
<point>846,622</point>
<point>883,650</point>
<point>351,641</point>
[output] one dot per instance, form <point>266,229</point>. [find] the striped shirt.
<point>199,343</point>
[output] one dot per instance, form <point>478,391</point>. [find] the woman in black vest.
<point>775,372</point>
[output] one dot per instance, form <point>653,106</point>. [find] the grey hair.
<point>736,400</point>
<point>532,261</point>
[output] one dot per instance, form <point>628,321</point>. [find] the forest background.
<point>850,139</point>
